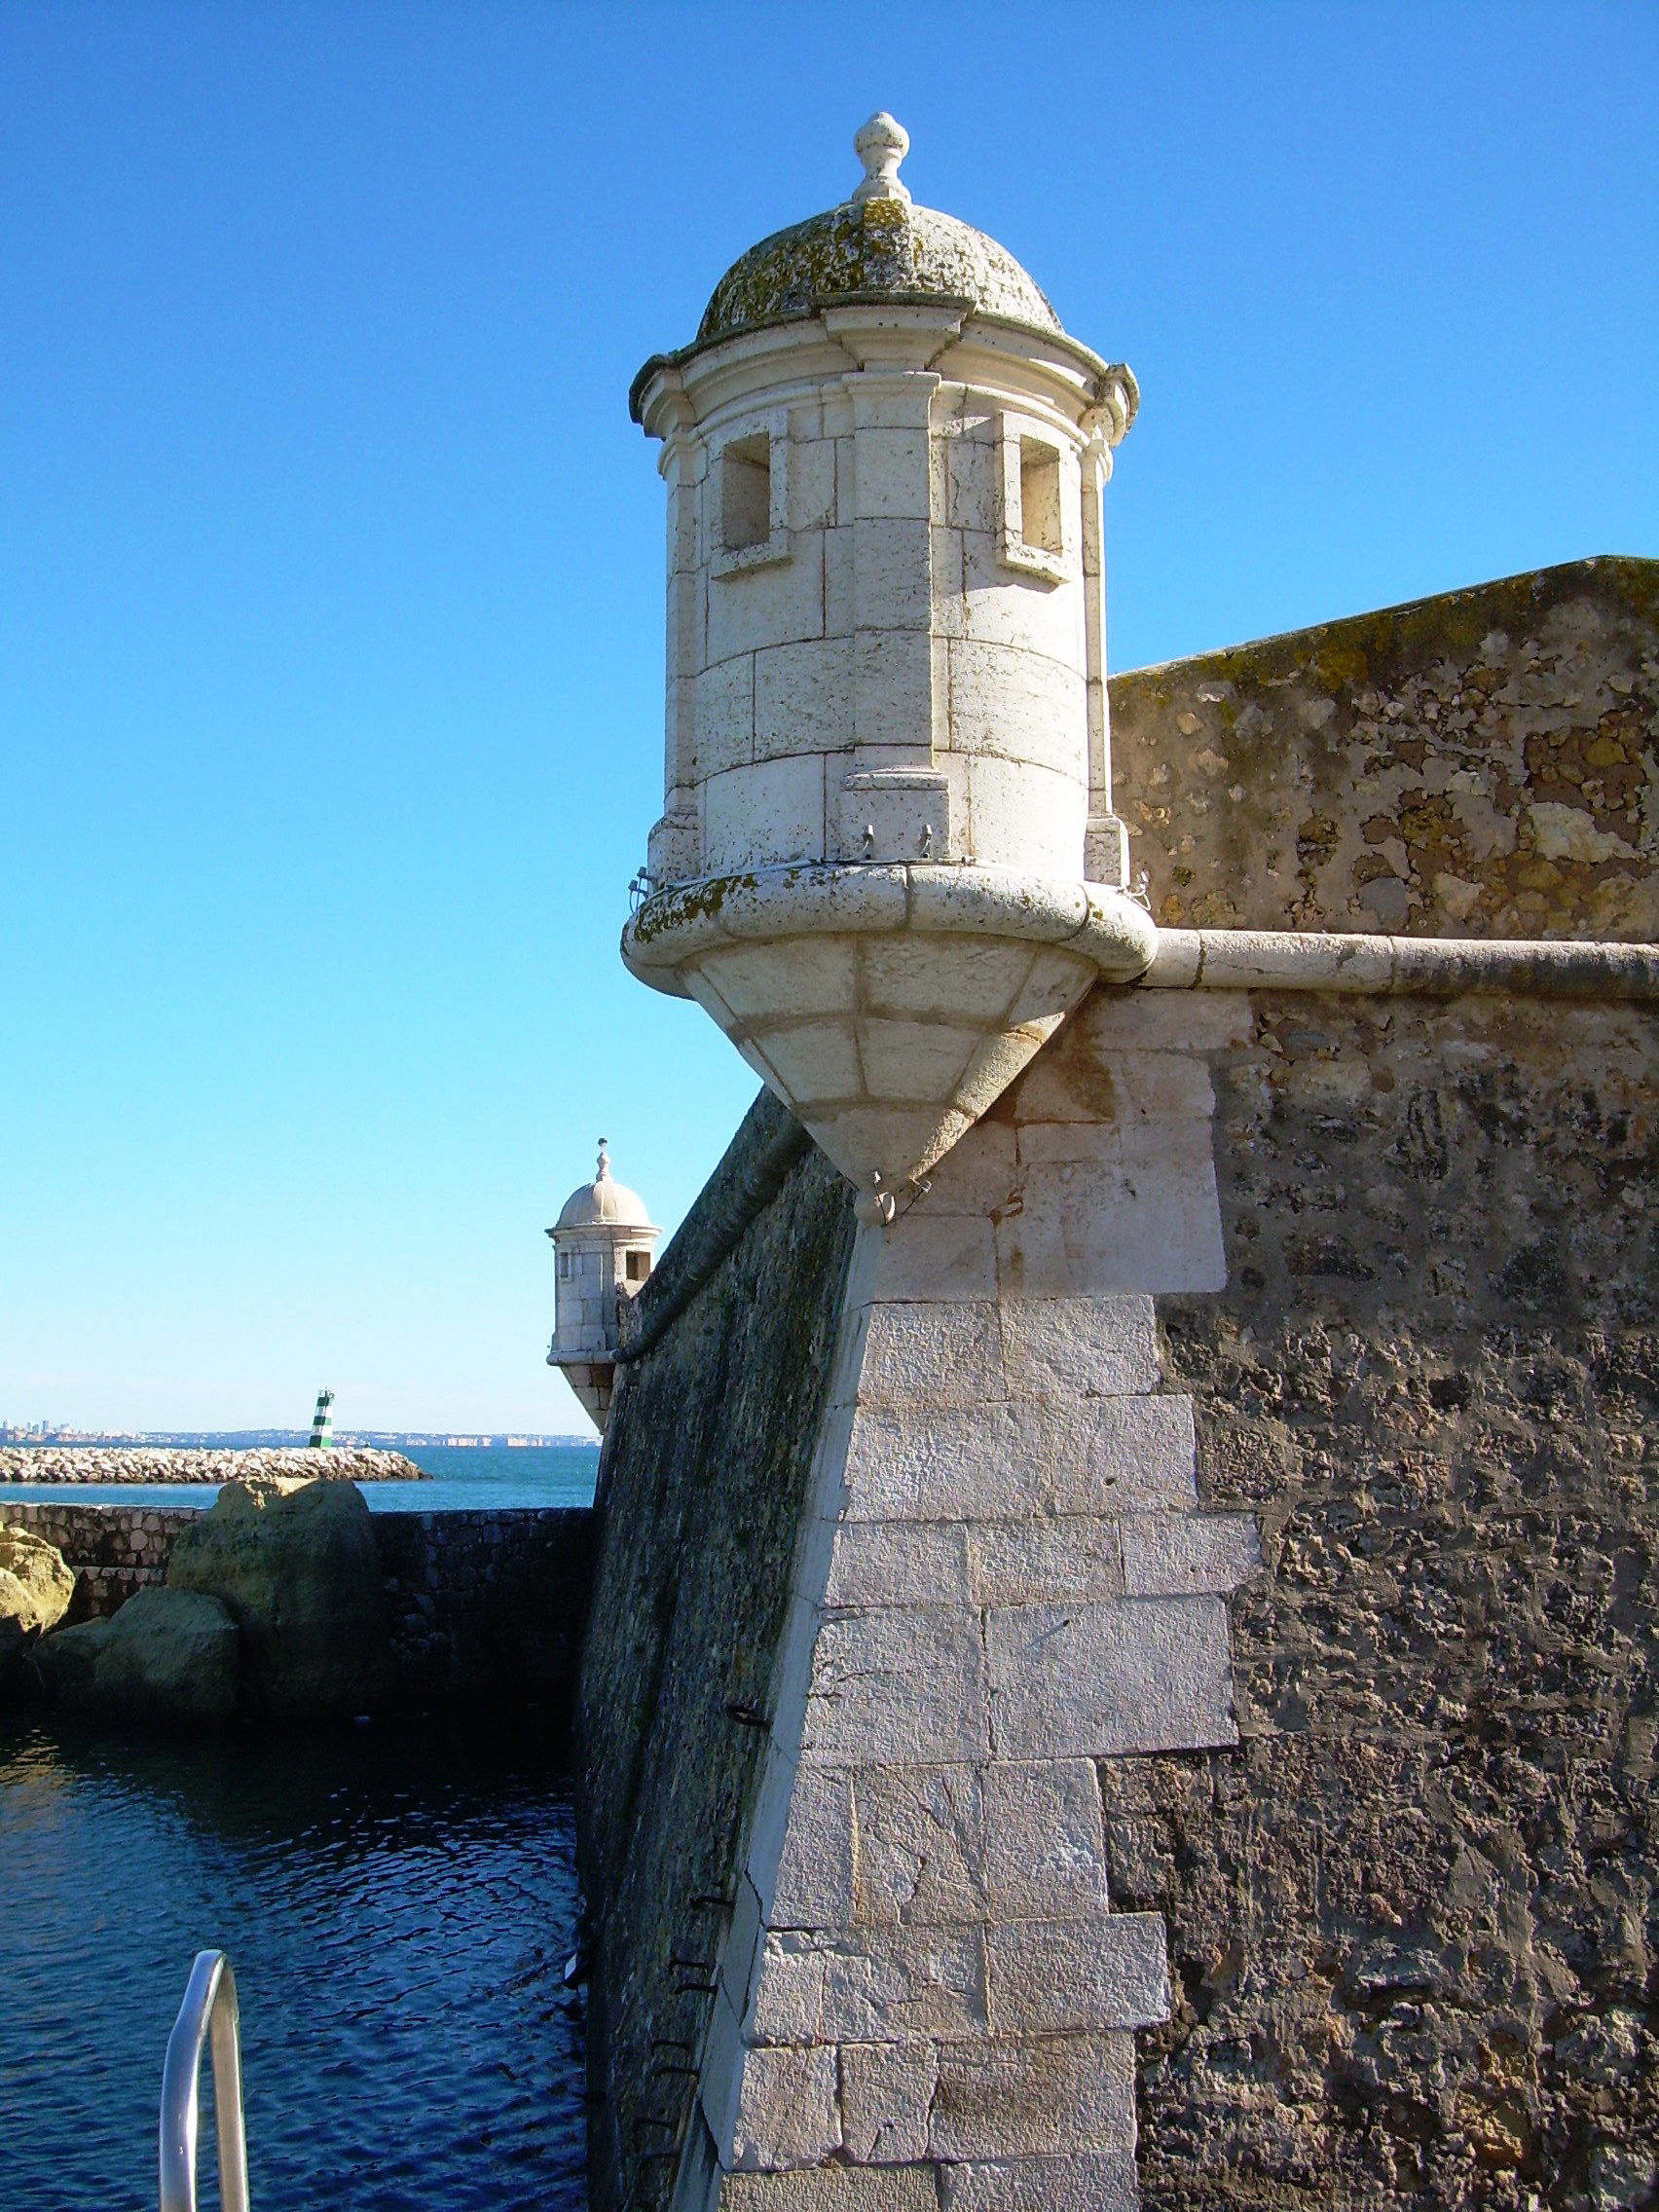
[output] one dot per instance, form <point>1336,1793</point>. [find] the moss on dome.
<point>873,248</point>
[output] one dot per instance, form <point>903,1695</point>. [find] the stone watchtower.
<point>603,1243</point>
<point>887,863</point>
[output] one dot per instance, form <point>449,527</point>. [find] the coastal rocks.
<point>35,1590</point>
<point>35,1586</point>
<point>156,1463</point>
<point>299,1572</point>
<point>167,1655</point>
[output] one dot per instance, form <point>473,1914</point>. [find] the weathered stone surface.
<point>787,2114</point>
<point>1091,2181</point>
<point>1083,1347</point>
<point>969,1843</point>
<point>886,2091</point>
<point>814,1882</point>
<point>1167,1555</point>
<point>1107,1972</point>
<point>947,1354</point>
<point>1478,765</point>
<point>1026,1457</point>
<point>896,1562</point>
<point>1420,1891</point>
<point>701,1486</point>
<point>833,2188</point>
<point>904,1683</point>
<point>1141,1673</point>
<point>1042,2095</point>
<point>35,1590</point>
<point>169,1655</point>
<point>1012,1562</point>
<point>299,1572</point>
<point>882,1985</point>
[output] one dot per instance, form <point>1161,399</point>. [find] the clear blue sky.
<point>330,565</point>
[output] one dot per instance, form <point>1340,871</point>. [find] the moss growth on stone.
<point>1484,763</point>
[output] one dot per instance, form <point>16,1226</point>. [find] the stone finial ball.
<point>881,145</point>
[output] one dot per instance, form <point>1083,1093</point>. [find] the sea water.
<point>398,1903</point>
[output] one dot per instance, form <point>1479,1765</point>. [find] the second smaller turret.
<point>604,1243</point>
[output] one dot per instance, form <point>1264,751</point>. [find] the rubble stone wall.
<point>1414,1913</point>
<point>114,1549</point>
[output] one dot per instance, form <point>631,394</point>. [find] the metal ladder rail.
<point>209,2008</point>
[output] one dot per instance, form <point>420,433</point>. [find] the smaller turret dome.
<point>604,1204</point>
<point>877,245</point>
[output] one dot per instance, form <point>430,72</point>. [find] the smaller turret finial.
<point>881,145</point>
<point>604,1168</point>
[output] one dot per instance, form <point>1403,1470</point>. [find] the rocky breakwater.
<point>273,1605</point>
<point>162,1463</point>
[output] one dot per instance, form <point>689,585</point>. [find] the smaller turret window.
<point>563,1267</point>
<point>1039,498</point>
<point>1037,491</point>
<point>747,502</point>
<point>639,1266</point>
<point>746,492</point>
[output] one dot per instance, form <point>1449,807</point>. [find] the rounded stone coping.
<point>1110,384</point>
<point>1331,960</point>
<point>763,906</point>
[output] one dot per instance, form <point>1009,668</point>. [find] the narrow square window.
<point>746,492</point>
<point>1039,521</point>
<point>563,1267</point>
<point>639,1266</point>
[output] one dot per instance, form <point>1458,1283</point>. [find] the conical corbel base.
<point>888,1006</point>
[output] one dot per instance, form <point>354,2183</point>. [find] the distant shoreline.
<point>84,1464</point>
<point>278,1440</point>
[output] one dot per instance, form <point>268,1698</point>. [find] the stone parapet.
<point>1480,765</point>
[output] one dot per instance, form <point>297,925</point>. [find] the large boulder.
<point>167,1655</point>
<point>299,1570</point>
<point>35,1590</point>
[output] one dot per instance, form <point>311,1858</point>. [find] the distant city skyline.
<point>331,566</point>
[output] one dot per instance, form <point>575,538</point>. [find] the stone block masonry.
<point>1003,1577</point>
<point>896,1960</point>
<point>482,1605</point>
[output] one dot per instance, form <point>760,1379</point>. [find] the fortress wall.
<point>1332,1315</point>
<point>1413,1914</point>
<point>701,1485</point>
<point>1197,1648</point>
<point>488,1603</point>
<point>1484,764</point>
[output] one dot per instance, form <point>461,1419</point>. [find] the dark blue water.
<point>482,1475</point>
<point>398,1903</point>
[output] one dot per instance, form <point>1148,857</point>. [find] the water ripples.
<point>398,1903</point>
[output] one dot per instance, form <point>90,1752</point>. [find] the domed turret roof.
<point>875,245</point>
<point>603,1204</point>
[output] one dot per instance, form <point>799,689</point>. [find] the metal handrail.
<point>209,2008</point>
